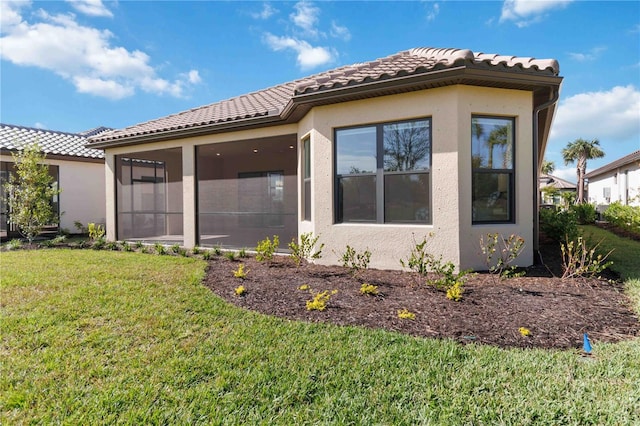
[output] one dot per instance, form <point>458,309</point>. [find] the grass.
<point>626,252</point>
<point>96,337</point>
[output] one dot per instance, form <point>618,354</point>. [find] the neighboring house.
<point>78,171</point>
<point>561,185</point>
<point>375,155</point>
<point>616,181</point>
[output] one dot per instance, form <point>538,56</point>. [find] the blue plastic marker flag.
<point>587,344</point>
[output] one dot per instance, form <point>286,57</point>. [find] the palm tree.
<point>581,150</point>
<point>548,167</point>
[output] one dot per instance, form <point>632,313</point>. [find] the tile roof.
<point>549,180</point>
<point>51,142</point>
<point>634,157</point>
<point>277,100</point>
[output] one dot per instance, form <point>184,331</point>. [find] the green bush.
<point>559,225</point>
<point>266,249</point>
<point>626,217</point>
<point>585,213</point>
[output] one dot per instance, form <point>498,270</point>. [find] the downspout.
<point>536,183</point>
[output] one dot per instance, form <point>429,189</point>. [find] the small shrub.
<point>585,213</point>
<point>240,291</point>
<point>446,275</point>
<point>126,246</point>
<point>580,261</point>
<point>98,244</point>
<point>455,292</point>
<point>559,225</point>
<point>304,287</point>
<point>47,243</point>
<point>206,255</point>
<point>175,248</point>
<point>159,248</point>
<point>320,300</point>
<point>217,250</point>
<point>242,253</point>
<point>369,289</point>
<point>240,272</point>
<point>231,255</point>
<point>625,217</point>
<point>139,244</point>
<point>405,314</point>
<point>524,332</point>
<point>196,250</point>
<point>59,239</point>
<point>80,227</point>
<point>420,259</point>
<point>266,249</point>
<point>355,261</point>
<point>111,245</point>
<point>14,244</point>
<point>306,249</point>
<point>508,251</point>
<point>95,231</point>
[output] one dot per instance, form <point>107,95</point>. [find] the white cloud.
<point>611,115</point>
<point>591,55</point>
<point>91,7</point>
<point>306,17</point>
<point>431,14</point>
<point>39,125</point>
<point>194,77</point>
<point>341,32</point>
<point>308,56</point>
<point>566,173</point>
<point>85,56</point>
<point>267,12</point>
<point>527,12</point>
<point>10,14</point>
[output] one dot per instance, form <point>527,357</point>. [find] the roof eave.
<point>300,104</point>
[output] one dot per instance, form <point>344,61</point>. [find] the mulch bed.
<point>556,312</point>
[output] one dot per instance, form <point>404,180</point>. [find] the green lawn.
<point>97,337</point>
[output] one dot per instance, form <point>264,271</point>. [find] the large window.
<point>492,158</point>
<point>383,173</point>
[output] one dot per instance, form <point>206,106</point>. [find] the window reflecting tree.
<point>407,146</point>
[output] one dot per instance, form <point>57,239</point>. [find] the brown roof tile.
<point>271,102</point>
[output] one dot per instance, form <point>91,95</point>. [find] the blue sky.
<point>75,65</point>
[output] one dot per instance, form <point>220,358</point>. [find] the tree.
<point>548,167</point>
<point>29,193</point>
<point>580,151</point>
<point>405,147</point>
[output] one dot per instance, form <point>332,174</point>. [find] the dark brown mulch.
<point>491,312</point>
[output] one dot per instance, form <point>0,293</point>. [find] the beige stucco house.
<point>375,155</point>
<point>76,170</point>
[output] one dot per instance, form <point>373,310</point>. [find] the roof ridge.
<point>17,126</point>
<point>274,100</point>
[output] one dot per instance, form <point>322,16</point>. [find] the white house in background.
<point>374,155</point>
<point>616,181</point>
<point>77,171</point>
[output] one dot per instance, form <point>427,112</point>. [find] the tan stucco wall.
<point>450,109</point>
<point>454,237</point>
<point>83,191</point>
